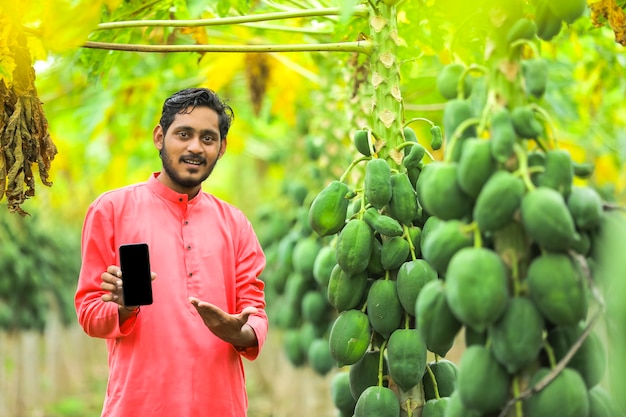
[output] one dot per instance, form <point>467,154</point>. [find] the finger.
<point>109,287</point>
<point>111,279</point>
<point>153,275</point>
<point>114,270</point>
<point>109,297</point>
<point>246,312</point>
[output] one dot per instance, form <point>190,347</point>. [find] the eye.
<point>183,134</point>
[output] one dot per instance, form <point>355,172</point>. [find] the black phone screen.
<point>137,283</point>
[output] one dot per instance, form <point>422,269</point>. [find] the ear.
<point>223,144</point>
<point>157,137</point>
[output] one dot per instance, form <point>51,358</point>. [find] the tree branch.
<point>359,46</point>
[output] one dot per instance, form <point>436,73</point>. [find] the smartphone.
<point>137,282</point>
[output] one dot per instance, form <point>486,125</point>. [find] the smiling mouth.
<point>196,162</point>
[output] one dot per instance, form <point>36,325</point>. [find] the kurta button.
<point>191,273</point>
<point>188,247</point>
<point>186,222</point>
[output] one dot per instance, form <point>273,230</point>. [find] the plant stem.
<point>262,17</point>
<point>359,46</point>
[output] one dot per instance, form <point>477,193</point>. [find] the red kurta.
<point>165,362</point>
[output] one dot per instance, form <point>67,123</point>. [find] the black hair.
<point>184,101</point>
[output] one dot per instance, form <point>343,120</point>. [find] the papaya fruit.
<point>483,384</point>
<point>436,137</point>
<point>318,357</point>
<point>406,356</point>
<point>583,169</point>
<point>354,245</point>
<point>293,348</point>
<point>403,203</point>
<point>409,136</point>
<point>394,253</point>
<point>442,242</point>
<point>475,166</point>
<point>547,219</point>
<point>435,407</point>
<point>327,214</point>
<point>590,360</point>
<point>517,336</point>
<point>535,74</point>
<point>559,171</point>
<point>314,307</point>
<point>434,318</point>
<point>477,287</point>
<point>447,81</point>
<point>340,393</point>
<point>439,191</point>
<point>565,396</point>
<point>383,307</point>
<point>361,142</point>
<point>523,28</point>
<point>444,373</point>
<point>503,136</point>
<point>297,285</point>
<point>415,236</point>
<point>304,254</point>
<point>364,373</point>
<point>548,24</point>
<point>455,113</point>
<point>585,206</point>
<point>557,288</point>
<point>568,11</point>
<point>600,403</point>
<point>374,266</point>
<point>414,156</point>
<point>410,279</point>
<point>349,337</point>
<point>323,266</point>
<point>499,199</point>
<point>345,291</point>
<point>377,401</point>
<point>385,225</point>
<point>536,163</point>
<point>377,183</point>
<point>456,408</point>
<point>474,337</point>
<point>525,123</point>
<point>430,224</point>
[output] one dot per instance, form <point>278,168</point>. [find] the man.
<point>181,355</point>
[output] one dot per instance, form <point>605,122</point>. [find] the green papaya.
<point>535,73</point>
<point>483,384</point>
<point>377,183</point>
<point>314,307</point>
<point>406,356</point>
<point>304,254</point>
<point>409,136</point>
<point>377,401</point>
<point>361,140</point>
<point>435,407</point>
<point>374,266</point>
<point>568,11</point>
<point>548,24</point>
<point>435,321</point>
<point>525,123</point>
<point>477,287</point>
<point>430,224</point>
<point>503,136</point>
<point>414,156</point>
<point>293,348</point>
<point>383,307</point>
<point>349,337</point>
<point>601,404</point>
<point>436,137</point>
<point>547,219</point>
<point>444,373</point>
<point>456,408</point>
<point>354,245</point>
<point>557,288</point>
<point>455,113</point>
<point>385,225</point>
<point>589,360</point>
<point>394,253</point>
<point>559,171</point>
<point>364,373</point>
<point>499,199</point>
<point>523,28</point>
<point>340,393</point>
<point>585,206</point>
<point>403,203</point>
<point>583,169</point>
<point>447,81</point>
<point>517,336</point>
<point>323,266</point>
<point>415,236</point>
<point>439,191</point>
<point>318,357</point>
<point>327,214</point>
<point>536,165</point>
<point>565,396</point>
<point>345,291</point>
<point>411,278</point>
<point>475,166</point>
<point>442,242</point>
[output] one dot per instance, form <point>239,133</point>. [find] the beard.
<point>168,167</point>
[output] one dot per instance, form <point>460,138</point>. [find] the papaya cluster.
<point>495,242</point>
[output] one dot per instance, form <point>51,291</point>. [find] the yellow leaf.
<point>65,26</point>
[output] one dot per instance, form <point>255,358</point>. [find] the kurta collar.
<point>167,193</point>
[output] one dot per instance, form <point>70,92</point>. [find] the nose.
<point>194,145</point>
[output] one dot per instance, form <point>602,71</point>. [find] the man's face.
<point>190,149</point>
